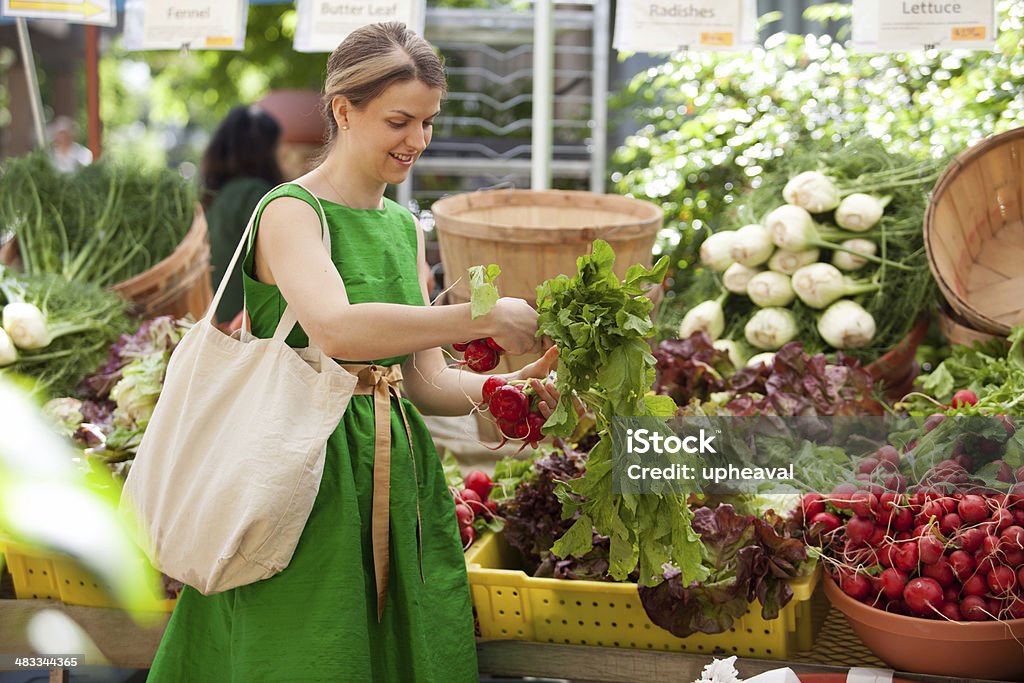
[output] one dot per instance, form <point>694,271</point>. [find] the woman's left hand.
<point>539,370</point>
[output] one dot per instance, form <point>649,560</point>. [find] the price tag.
<point>101,12</point>
<point>887,26</point>
<point>195,24</point>
<point>322,24</point>
<point>659,26</point>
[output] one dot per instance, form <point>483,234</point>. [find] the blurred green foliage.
<point>710,124</point>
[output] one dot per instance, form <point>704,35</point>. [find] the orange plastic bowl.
<point>981,649</point>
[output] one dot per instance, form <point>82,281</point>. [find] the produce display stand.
<point>126,644</point>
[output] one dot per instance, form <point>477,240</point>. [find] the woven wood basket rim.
<point>962,305</point>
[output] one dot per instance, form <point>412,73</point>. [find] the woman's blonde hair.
<point>374,57</point>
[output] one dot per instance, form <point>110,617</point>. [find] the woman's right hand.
<point>514,325</point>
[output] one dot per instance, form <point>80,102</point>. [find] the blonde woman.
<point>377,589</point>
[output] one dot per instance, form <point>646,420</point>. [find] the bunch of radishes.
<point>515,407</point>
<point>472,503</point>
<point>480,355</point>
<point>957,556</point>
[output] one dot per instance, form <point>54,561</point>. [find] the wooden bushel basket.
<point>974,234</point>
<point>178,286</point>
<point>536,235</point>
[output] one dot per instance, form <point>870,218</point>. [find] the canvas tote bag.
<point>231,461</point>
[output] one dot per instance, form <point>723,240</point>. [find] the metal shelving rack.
<point>483,136</point>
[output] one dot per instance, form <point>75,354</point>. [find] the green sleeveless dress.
<point>317,619</point>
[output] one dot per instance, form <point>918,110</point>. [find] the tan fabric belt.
<point>382,381</point>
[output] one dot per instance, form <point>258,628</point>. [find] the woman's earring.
<point>344,127</point>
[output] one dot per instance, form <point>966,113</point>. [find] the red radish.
<point>930,549</point>
<point>867,465</point>
<point>971,539</point>
<point>893,582</point>
<point>812,504</point>
<point>491,385</point>
<point>471,498</point>
<point>864,504</point>
<point>905,557</point>
<point>975,585</point>
<point>1007,424</point>
<point>856,586</point>
<point>877,536</point>
<point>964,461</point>
<point>922,595</point>
<point>463,514</point>
<point>494,345</point>
<point>962,564</point>
<point>933,421</point>
<point>1001,580</point>
<point>513,430</point>
<point>973,509</point>
<point>480,357</point>
<point>492,507</point>
<point>460,346</point>
<point>478,481</point>
<point>535,421</point>
<point>949,524</point>
<point>468,534</point>
<point>1001,519</point>
<point>841,494</point>
<point>1012,538</point>
<point>826,522</point>
<point>1015,610</point>
<point>941,572</point>
<point>950,610</point>
<point>859,530</point>
<point>1020,576</point>
<point>974,608</point>
<point>1013,558</point>
<point>508,402</point>
<point>964,397</point>
<point>1005,472</point>
<point>888,454</point>
<point>902,519</point>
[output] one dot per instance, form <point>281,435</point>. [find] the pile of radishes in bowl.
<point>936,539</point>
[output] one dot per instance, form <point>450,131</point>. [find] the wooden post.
<point>59,676</point>
<point>92,89</point>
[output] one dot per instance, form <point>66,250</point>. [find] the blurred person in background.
<point>239,166</point>
<point>67,155</point>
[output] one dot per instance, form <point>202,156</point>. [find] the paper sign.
<point>196,24</point>
<point>659,26</point>
<point>892,26</point>
<point>322,24</point>
<point>101,12</point>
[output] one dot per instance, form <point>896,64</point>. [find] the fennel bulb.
<point>707,316</point>
<point>716,250</point>
<point>819,284</point>
<point>846,325</point>
<point>732,349</point>
<point>848,260</point>
<point>812,191</point>
<point>26,325</point>
<point>766,358</point>
<point>788,262</point>
<point>736,277</point>
<point>859,212</point>
<point>8,352</point>
<point>752,245</point>
<point>770,328</point>
<point>770,289</point>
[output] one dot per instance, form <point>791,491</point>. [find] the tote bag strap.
<point>288,318</point>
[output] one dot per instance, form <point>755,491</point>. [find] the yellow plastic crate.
<point>41,576</point>
<point>510,605</point>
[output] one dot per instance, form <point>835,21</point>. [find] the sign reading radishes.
<point>195,24</point>
<point>931,24</point>
<point>322,24</point>
<point>670,25</point>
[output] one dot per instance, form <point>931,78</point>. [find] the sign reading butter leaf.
<point>195,24</point>
<point>322,24</point>
<point>99,12</point>
<point>886,26</point>
<point>659,26</point>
